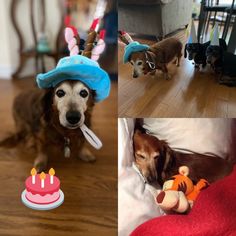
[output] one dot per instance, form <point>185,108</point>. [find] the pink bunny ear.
<point>72,40</point>
<point>99,48</point>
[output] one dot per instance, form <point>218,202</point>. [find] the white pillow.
<point>201,135</point>
<point>135,198</point>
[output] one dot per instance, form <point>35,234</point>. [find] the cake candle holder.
<point>51,173</point>
<point>33,173</point>
<point>42,177</point>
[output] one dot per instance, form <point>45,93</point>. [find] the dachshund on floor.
<point>59,113</point>
<point>147,59</point>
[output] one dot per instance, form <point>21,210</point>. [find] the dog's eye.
<point>83,93</point>
<point>139,63</point>
<point>60,93</point>
<point>140,156</point>
<point>131,62</point>
<point>156,157</point>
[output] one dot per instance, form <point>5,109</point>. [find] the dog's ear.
<point>185,51</point>
<point>47,101</point>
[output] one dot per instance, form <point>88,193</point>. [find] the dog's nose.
<point>73,117</point>
<point>135,76</point>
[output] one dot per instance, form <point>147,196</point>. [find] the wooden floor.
<point>90,206</point>
<point>189,93</point>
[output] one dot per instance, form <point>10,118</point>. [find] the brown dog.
<point>156,57</point>
<point>158,162</point>
<point>53,117</point>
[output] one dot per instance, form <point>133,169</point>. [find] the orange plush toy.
<point>179,193</point>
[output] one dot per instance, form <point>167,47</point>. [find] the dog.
<point>59,113</point>
<point>197,52</point>
<point>53,117</point>
<point>154,57</point>
<point>222,62</point>
<point>158,162</point>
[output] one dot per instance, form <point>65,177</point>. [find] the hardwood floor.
<point>190,93</point>
<point>90,206</point>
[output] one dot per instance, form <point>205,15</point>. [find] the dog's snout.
<point>73,117</point>
<point>135,75</point>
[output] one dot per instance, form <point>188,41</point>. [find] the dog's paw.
<point>40,166</point>
<point>40,163</point>
<point>86,155</point>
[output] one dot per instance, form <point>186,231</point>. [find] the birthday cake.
<point>42,189</point>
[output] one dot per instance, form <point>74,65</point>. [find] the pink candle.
<point>33,173</point>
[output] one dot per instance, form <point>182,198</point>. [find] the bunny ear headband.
<point>82,67</point>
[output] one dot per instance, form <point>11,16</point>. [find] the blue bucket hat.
<point>134,47</point>
<point>80,68</point>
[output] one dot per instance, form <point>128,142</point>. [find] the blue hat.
<point>80,68</point>
<point>134,47</point>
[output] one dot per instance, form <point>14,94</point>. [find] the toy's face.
<point>140,67</point>
<point>213,53</point>
<point>71,102</point>
<point>192,49</point>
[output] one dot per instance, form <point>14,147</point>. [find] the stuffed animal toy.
<point>179,192</point>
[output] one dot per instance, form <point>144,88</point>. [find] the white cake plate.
<point>42,207</point>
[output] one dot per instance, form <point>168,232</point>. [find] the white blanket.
<point>135,198</point>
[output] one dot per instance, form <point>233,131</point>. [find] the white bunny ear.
<point>100,47</point>
<point>72,41</point>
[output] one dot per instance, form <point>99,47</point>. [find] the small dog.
<point>53,117</point>
<point>222,62</point>
<point>154,57</point>
<point>59,113</point>
<point>158,162</point>
<point>197,52</point>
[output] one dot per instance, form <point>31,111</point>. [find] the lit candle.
<point>51,173</point>
<point>33,173</point>
<point>42,177</point>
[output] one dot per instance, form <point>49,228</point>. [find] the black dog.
<point>223,63</point>
<point>197,52</point>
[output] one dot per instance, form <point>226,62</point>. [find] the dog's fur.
<point>158,162</point>
<point>197,52</point>
<point>221,61</point>
<point>43,119</point>
<point>160,53</point>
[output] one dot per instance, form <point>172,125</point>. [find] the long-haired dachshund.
<point>158,162</point>
<point>147,59</point>
<point>59,114</point>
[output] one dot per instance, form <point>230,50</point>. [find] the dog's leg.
<point>86,155</point>
<point>165,71</point>
<point>40,163</point>
<point>41,160</point>
<point>178,59</point>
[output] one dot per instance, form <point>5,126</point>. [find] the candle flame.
<point>33,171</point>
<point>52,171</point>
<point>42,175</point>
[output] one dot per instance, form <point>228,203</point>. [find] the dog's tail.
<point>10,142</point>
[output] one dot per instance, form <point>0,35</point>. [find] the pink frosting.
<point>48,188</point>
<point>46,199</point>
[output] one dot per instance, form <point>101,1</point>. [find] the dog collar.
<point>91,137</point>
<point>151,64</point>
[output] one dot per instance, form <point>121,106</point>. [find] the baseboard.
<point>6,72</point>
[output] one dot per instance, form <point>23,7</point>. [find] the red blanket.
<point>214,214</point>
